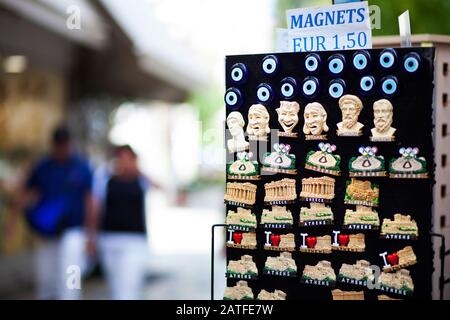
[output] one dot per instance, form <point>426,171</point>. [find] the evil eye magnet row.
<point>336,64</point>
<point>310,88</point>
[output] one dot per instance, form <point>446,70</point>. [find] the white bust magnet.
<point>236,123</point>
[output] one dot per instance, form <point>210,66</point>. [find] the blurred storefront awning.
<point>119,50</point>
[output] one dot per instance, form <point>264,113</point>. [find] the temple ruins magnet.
<point>276,295</point>
<point>318,214</point>
<point>280,160</point>
<point>245,268</point>
<point>408,165</point>
<point>399,282</point>
<point>241,291</point>
<point>362,218</point>
<point>362,193</point>
<point>358,274</point>
<point>322,274</point>
<point>241,220</point>
<point>367,164</point>
<point>280,192</point>
<point>283,265</point>
<point>324,160</point>
<point>401,228</point>
<point>277,218</point>
<point>347,295</point>
<point>288,118</point>
<point>240,194</point>
<point>243,168</point>
<point>317,189</point>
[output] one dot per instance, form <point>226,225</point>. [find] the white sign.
<point>337,27</point>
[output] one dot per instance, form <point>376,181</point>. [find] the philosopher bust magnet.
<point>288,117</point>
<point>351,107</point>
<point>235,123</point>
<point>315,125</point>
<point>383,114</point>
<point>258,122</point>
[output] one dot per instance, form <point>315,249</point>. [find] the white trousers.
<point>59,266</point>
<point>123,257</point>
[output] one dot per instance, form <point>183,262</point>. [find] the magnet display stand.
<point>404,76</point>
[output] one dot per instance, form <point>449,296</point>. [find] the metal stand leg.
<point>212,257</point>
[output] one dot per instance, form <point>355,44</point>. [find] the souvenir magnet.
<point>282,265</point>
<point>239,73</point>
<point>321,274</point>
<point>347,295</point>
<point>264,93</point>
<point>236,123</point>
<point>359,274</point>
<point>318,214</point>
<point>243,168</point>
<point>277,218</point>
<point>276,295</point>
<point>408,166</point>
<point>240,194</point>
<point>317,189</point>
<point>398,260</point>
<point>348,242</point>
<point>280,160</point>
<point>324,160</point>
<point>313,244</point>
<point>361,193</point>
<point>383,115</point>
<point>288,118</point>
<point>315,127</point>
<point>241,291</point>
<point>279,242</point>
<point>368,164</point>
<point>241,220</point>
<point>258,123</point>
<point>351,107</point>
<point>280,192</point>
<point>241,240</point>
<point>401,228</point>
<point>362,218</point>
<point>399,282</point>
<point>245,268</point>
<point>385,297</point>
<point>288,88</point>
<point>233,98</point>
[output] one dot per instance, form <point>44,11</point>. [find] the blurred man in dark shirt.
<point>59,206</point>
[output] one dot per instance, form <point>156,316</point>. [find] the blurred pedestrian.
<point>59,204</point>
<point>123,247</point>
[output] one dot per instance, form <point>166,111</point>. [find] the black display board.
<point>413,118</point>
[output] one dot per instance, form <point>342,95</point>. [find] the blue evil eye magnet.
<point>336,88</point>
<point>336,64</point>
<point>361,60</point>
<point>310,87</point>
<point>288,88</point>
<point>387,58</point>
<point>264,93</point>
<point>412,62</point>
<point>367,85</point>
<point>312,63</point>
<point>233,98</point>
<point>239,73</point>
<point>270,65</point>
<point>389,86</point>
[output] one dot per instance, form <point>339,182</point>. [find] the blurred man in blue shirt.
<point>59,207</point>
